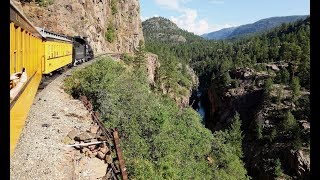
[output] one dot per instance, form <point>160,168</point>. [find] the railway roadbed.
<point>41,152</point>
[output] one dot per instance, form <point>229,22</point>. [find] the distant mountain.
<point>249,29</point>
<point>221,34</point>
<point>162,29</point>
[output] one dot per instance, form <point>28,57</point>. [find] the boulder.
<point>72,134</point>
<point>275,67</point>
<point>247,74</point>
<point>84,150</point>
<point>94,129</point>
<point>104,149</point>
<point>68,140</point>
<point>303,164</point>
<point>100,155</point>
<point>94,154</point>
<point>300,162</point>
<point>108,158</point>
<point>85,136</point>
<point>92,147</point>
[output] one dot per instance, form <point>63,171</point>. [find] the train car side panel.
<point>29,57</point>
<point>57,55</point>
<point>25,52</point>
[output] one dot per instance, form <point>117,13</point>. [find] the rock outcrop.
<point>152,65</point>
<point>244,99</point>
<point>263,117</point>
<point>91,18</point>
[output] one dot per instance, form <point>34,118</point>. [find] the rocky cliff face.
<point>244,99</point>
<point>265,139</point>
<point>91,18</point>
<point>152,65</point>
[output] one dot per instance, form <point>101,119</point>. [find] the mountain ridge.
<point>163,29</point>
<point>252,28</point>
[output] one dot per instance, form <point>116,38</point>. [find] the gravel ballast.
<point>41,152</point>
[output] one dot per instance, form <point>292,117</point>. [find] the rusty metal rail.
<point>110,135</point>
<point>123,169</point>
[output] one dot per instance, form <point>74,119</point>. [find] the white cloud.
<point>188,20</point>
<point>143,18</point>
<point>217,27</point>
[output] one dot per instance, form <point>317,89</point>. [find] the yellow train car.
<point>58,51</point>
<point>26,51</point>
<point>38,52</point>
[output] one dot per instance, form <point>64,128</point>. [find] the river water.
<point>201,109</point>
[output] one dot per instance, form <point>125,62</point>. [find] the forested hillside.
<point>251,29</point>
<point>256,95</point>
<point>266,78</point>
<point>162,29</point>
<point>159,139</point>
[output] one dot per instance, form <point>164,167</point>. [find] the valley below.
<point>235,105</point>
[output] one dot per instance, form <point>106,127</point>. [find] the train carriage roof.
<point>52,36</point>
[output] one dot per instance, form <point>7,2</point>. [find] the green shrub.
<point>283,76</point>
<point>257,131</point>
<point>295,87</point>
<point>277,168</point>
<point>45,3</point>
<point>110,33</point>
<point>228,152</point>
<point>234,83</point>
<point>268,86</point>
<point>128,59</point>
<point>279,95</point>
<point>158,139</point>
<point>289,123</point>
<point>114,8</point>
<point>273,135</point>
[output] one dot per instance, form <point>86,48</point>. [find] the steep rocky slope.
<point>266,137</point>
<point>94,19</point>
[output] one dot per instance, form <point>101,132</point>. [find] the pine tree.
<point>295,87</point>
<point>289,123</point>
<point>277,167</point>
<point>140,55</point>
<point>235,134</point>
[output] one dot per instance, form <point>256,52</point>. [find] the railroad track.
<point>117,169</point>
<point>47,79</point>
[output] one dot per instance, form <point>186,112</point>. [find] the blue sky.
<point>203,16</point>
